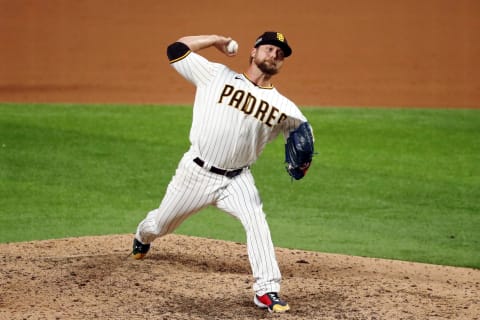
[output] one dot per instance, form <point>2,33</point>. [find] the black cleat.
<point>139,249</point>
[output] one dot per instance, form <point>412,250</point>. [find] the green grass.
<point>390,183</point>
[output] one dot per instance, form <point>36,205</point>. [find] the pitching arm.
<point>196,43</point>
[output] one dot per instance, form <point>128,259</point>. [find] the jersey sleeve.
<point>291,117</point>
<point>190,65</point>
<point>294,118</point>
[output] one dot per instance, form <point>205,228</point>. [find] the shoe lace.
<point>274,297</point>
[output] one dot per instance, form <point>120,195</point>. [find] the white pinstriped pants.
<point>193,188</point>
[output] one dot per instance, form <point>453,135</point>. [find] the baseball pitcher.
<point>234,116</point>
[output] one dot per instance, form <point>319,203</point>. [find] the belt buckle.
<point>233,173</point>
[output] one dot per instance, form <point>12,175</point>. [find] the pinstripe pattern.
<point>241,199</point>
<point>233,120</point>
<point>242,137</point>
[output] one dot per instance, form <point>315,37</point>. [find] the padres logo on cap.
<point>280,37</point>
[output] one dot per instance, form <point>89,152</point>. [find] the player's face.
<point>268,58</point>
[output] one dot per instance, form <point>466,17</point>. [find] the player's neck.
<point>259,78</point>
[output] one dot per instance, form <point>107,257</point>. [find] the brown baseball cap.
<point>276,39</point>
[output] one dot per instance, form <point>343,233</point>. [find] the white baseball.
<point>232,47</point>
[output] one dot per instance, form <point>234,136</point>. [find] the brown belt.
<point>227,173</point>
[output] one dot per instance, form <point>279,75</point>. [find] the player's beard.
<point>267,67</point>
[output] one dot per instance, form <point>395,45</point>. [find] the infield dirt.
<point>346,53</point>
<point>405,53</point>
<point>195,278</point>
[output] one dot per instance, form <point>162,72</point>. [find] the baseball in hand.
<point>232,47</point>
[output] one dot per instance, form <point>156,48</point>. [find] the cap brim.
<point>287,51</point>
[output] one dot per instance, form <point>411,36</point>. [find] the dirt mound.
<point>195,278</point>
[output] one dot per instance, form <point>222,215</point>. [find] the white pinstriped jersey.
<point>233,119</point>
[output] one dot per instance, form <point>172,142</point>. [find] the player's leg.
<point>241,199</point>
<point>188,192</point>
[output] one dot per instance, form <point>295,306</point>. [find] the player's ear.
<point>252,55</point>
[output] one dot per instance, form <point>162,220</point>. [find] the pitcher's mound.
<point>194,278</point>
